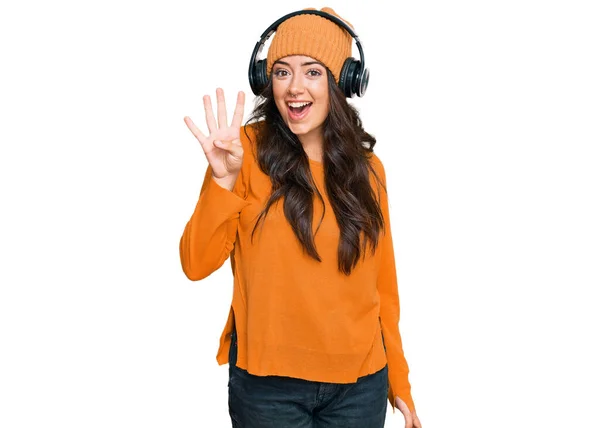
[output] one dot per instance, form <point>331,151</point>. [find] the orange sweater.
<point>295,316</point>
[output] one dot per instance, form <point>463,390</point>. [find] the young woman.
<point>296,199</point>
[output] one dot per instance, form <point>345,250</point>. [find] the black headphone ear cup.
<point>352,80</point>
<point>263,79</point>
<point>362,83</point>
<point>258,76</point>
<point>345,82</point>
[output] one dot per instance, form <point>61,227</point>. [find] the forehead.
<point>299,60</point>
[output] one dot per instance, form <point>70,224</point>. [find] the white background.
<point>486,116</point>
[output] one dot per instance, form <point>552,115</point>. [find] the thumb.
<point>405,411</point>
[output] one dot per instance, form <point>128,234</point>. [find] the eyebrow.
<point>303,64</point>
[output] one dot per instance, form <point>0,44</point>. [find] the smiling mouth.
<point>297,113</point>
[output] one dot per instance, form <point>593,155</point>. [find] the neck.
<point>313,144</point>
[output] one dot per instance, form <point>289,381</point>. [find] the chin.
<point>299,129</point>
<point>302,129</point>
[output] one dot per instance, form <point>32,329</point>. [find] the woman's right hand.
<point>222,147</point>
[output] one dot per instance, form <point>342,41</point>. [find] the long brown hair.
<point>281,156</point>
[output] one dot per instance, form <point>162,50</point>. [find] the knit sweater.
<point>295,316</point>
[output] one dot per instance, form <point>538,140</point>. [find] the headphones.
<point>354,76</point>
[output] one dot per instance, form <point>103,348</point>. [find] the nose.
<point>296,85</point>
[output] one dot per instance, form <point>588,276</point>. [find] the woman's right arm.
<point>209,235</point>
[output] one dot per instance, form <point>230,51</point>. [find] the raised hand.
<point>222,146</point>
<point>411,420</point>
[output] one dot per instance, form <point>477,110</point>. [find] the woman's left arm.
<point>400,389</point>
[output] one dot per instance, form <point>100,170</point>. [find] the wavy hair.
<point>346,152</point>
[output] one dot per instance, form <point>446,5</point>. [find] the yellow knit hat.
<point>314,36</point>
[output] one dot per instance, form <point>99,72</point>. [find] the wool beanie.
<point>314,36</point>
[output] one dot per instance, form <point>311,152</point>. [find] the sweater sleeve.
<point>387,286</point>
<point>210,234</point>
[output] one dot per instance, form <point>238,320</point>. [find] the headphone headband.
<point>353,80</point>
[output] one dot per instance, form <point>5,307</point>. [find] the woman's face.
<point>299,80</point>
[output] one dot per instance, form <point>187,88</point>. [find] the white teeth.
<point>296,105</point>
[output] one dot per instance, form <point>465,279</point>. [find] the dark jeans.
<point>285,402</point>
